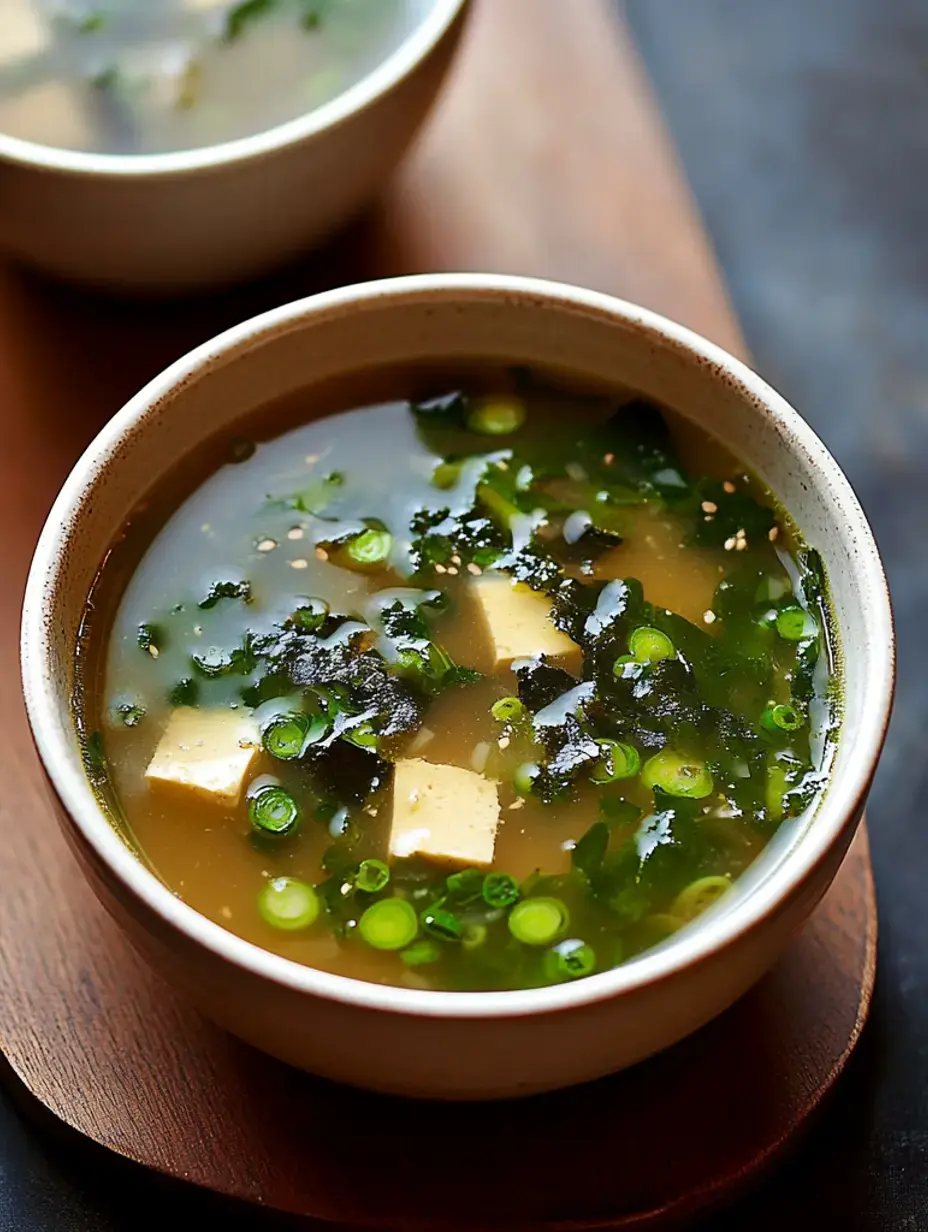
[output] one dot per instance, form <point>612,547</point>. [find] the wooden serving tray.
<point>546,157</point>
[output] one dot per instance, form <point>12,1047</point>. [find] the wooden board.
<point>546,156</point>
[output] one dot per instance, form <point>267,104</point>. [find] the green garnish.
<point>273,811</point>
<point>500,890</point>
<point>465,887</point>
<point>311,615</point>
<point>791,623</point>
<point>151,639</point>
<point>242,15</point>
<point>524,778</point>
<point>782,718</point>
<point>92,22</point>
<point>650,645</point>
<point>226,590</point>
<point>496,416</point>
<point>473,936</point>
<point>441,923</point>
<point>538,921</point>
<point>507,710</point>
<point>287,736</point>
<point>390,924</point>
<point>370,549</point>
<point>699,895</point>
<point>618,761</point>
<point>372,876</point>
<point>363,735</point>
<point>677,775</point>
<point>185,693</point>
<point>131,713</point>
<point>288,904</point>
<point>421,953</point>
<point>570,960</point>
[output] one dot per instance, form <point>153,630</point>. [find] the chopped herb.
<point>242,15</point>
<point>226,590</point>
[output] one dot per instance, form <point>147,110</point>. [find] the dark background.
<point>803,126</point>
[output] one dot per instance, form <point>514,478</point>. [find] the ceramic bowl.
<point>461,1045</point>
<point>163,223</point>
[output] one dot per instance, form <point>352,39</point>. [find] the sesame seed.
<point>741,545</point>
<point>772,533</point>
<point>455,559</point>
<point>440,569</point>
<point>709,617</point>
<point>153,650</point>
<point>729,544</point>
<point>503,742</point>
<point>322,554</point>
<point>198,630</point>
<point>295,532</point>
<point>729,486</point>
<point>474,569</point>
<point>517,804</point>
<point>453,569</point>
<point>299,563</point>
<point>609,458</point>
<point>709,507</point>
<point>267,545</point>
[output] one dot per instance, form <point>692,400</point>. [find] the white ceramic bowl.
<point>162,223</point>
<point>460,1045</point>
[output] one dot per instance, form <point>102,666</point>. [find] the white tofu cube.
<point>517,621</point>
<point>444,813</point>
<point>206,753</point>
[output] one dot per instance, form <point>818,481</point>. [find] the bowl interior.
<point>503,320</point>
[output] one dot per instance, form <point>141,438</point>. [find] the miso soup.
<point>152,76</point>
<point>464,680</point>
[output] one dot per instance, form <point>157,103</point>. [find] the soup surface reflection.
<point>152,76</point>
<point>492,689</point>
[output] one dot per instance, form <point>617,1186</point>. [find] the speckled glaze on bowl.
<point>162,223</point>
<point>460,1045</point>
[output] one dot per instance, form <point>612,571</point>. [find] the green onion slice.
<point>289,904</point>
<point>538,921</point>
<point>372,876</point>
<point>677,775</point>
<point>500,890</point>
<point>649,645</point>
<point>273,811</point>
<point>496,416</point>
<point>570,960</point>
<point>699,895</point>
<point>389,924</point>
<point>619,761</point>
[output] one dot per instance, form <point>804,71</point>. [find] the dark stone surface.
<point>803,125</point>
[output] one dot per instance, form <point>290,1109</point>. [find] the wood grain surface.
<point>546,156</point>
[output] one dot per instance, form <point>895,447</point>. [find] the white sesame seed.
<point>741,545</point>
<point>709,617</point>
<point>503,742</point>
<point>609,458</point>
<point>267,545</point>
<point>299,563</point>
<point>709,507</point>
<point>455,559</point>
<point>729,486</point>
<point>295,532</point>
<point>153,650</point>
<point>322,554</point>
<point>517,804</point>
<point>474,569</point>
<point>772,533</point>
<point>440,569</point>
<point>729,544</point>
<point>453,569</point>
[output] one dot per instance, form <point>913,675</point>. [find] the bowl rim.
<point>415,48</point>
<point>50,727</point>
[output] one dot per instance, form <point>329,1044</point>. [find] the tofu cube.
<point>445,813</point>
<point>517,622</point>
<point>206,753</point>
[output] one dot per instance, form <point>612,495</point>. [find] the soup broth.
<point>493,688</point>
<point>144,77</point>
